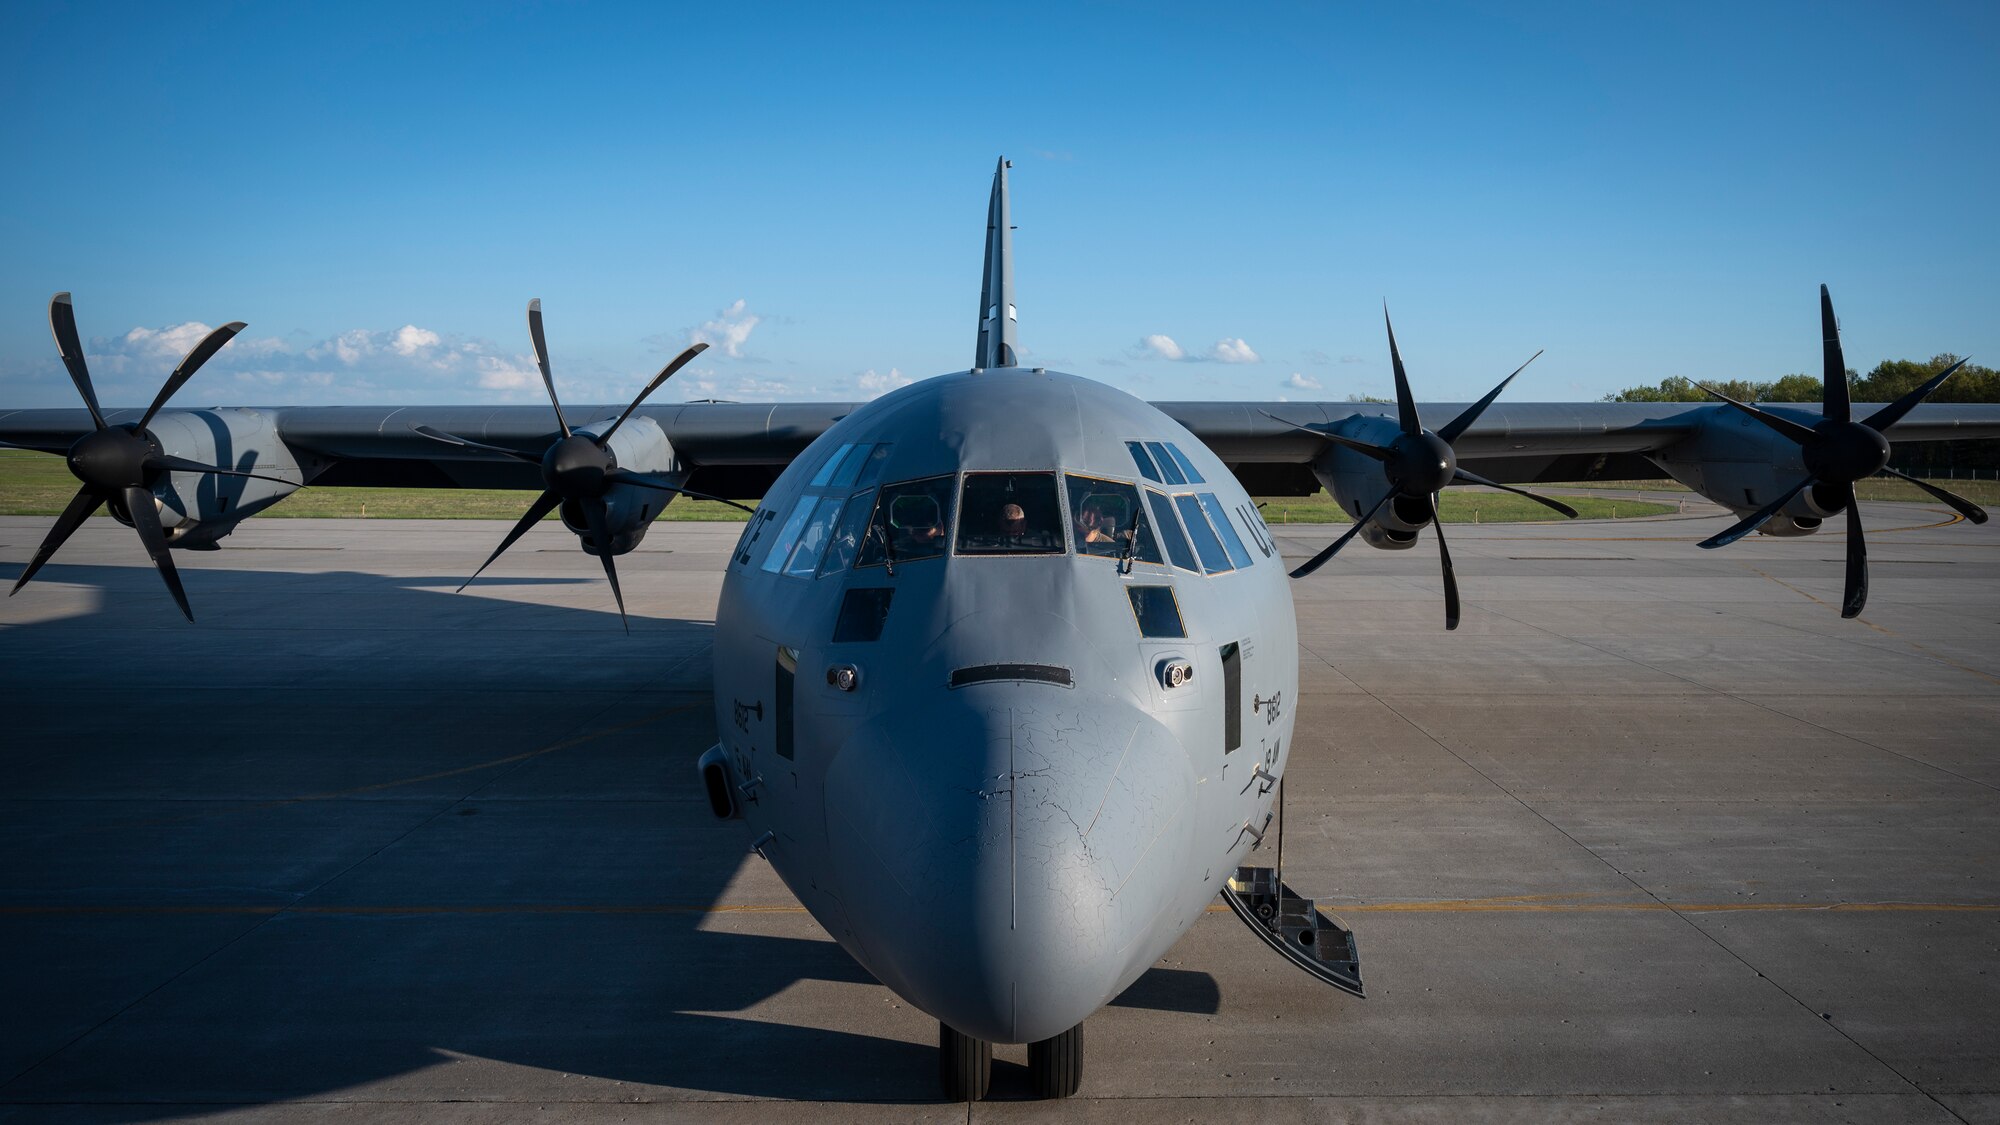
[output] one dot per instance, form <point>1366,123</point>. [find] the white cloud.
<point>729,331</point>
<point>1300,382</point>
<point>166,343</point>
<point>409,340</point>
<point>874,385</point>
<point>1233,350</point>
<point>1228,350</point>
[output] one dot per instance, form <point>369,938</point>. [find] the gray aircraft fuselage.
<point>1012,814</point>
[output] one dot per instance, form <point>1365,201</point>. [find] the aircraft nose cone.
<point>1000,868</point>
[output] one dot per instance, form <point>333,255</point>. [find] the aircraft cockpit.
<point>1166,516</point>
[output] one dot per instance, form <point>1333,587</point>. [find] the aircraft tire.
<point>965,1065</point>
<point>1055,1066</point>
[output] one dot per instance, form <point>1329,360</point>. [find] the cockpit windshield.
<point>1010,514</point>
<point>1107,518</point>
<point>910,522</point>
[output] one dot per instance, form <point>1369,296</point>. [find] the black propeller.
<point>119,465</point>
<point>1418,465</point>
<point>578,467</point>
<point>1838,452</point>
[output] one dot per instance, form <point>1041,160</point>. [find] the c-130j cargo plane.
<point>1006,659</point>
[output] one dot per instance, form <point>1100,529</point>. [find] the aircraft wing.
<point>737,449</point>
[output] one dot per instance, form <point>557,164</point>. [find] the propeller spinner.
<point>119,465</point>
<point>1418,465</point>
<point>1838,452</point>
<point>578,467</point>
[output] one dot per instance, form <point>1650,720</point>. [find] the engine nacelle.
<point>197,509</point>
<point>1355,481</point>
<point>1742,464</point>
<point>641,446</point>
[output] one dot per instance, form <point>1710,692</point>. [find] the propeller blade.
<point>1794,430</point>
<point>1835,403</point>
<point>544,504</point>
<point>467,443</point>
<point>62,321</point>
<point>1459,424</point>
<point>593,516</point>
<point>626,476</point>
<point>146,521</point>
<point>183,465</point>
<point>1754,520</point>
<point>1959,504</point>
<point>1475,478</point>
<point>1856,595</point>
<point>1450,579</point>
<point>1893,413</point>
<point>1362,447</point>
<point>201,353</point>
<point>1406,406</point>
<point>542,359</point>
<point>665,374</point>
<point>80,507</point>
<point>1319,560</point>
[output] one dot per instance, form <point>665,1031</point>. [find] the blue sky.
<point>378,189</point>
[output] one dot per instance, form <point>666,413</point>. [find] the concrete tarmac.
<point>1654,836</point>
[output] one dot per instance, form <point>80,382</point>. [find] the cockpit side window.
<point>1144,460</point>
<point>848,532</point>
<point>1010,514</point>
<point>1186,466</point>
<point>781,547</point>
<point>1220,518</point>
<point>1105,515</point>
<point>1214,559</point>
<point>1178,550</point>
<point>912,520</point>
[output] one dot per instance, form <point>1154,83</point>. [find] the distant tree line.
<point>1890,380</point>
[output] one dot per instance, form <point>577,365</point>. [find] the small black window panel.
<point>1232,697</point>
<point>1170,531</point>
<point>850,466</point>
<point>847,533</point>
<point>1239,557</point>
<point>1214,559</point>
<point>1105,520</point>
<point>1165,461</point>
<point>1157,611</point>
<point>1144,460</point>
<point>871,469</point>
<point>788,673</point>
<point>911,522</point>
<point>827,469</point>
<point>751,532</point>
<point>862,613</point>
<point>1186,466</point>
<point>1010,514</point>
<point>1014,673</point>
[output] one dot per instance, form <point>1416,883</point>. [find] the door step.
<point>1295,927</point>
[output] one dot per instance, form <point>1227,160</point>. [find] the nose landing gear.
<point>965,1065</point>
<point>1055,1066</point>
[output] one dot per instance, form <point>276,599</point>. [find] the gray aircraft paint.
<point>1008,856</point>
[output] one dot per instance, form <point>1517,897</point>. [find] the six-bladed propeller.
<point>1838,452</point>
<point>119,465</point>
<point>1418,464</point>
<point>578,468</point>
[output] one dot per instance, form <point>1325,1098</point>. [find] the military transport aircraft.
<point>1006,660</point>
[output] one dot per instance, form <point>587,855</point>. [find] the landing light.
<point>845,677</point>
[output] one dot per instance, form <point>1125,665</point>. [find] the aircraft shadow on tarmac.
<point>461,830</point>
